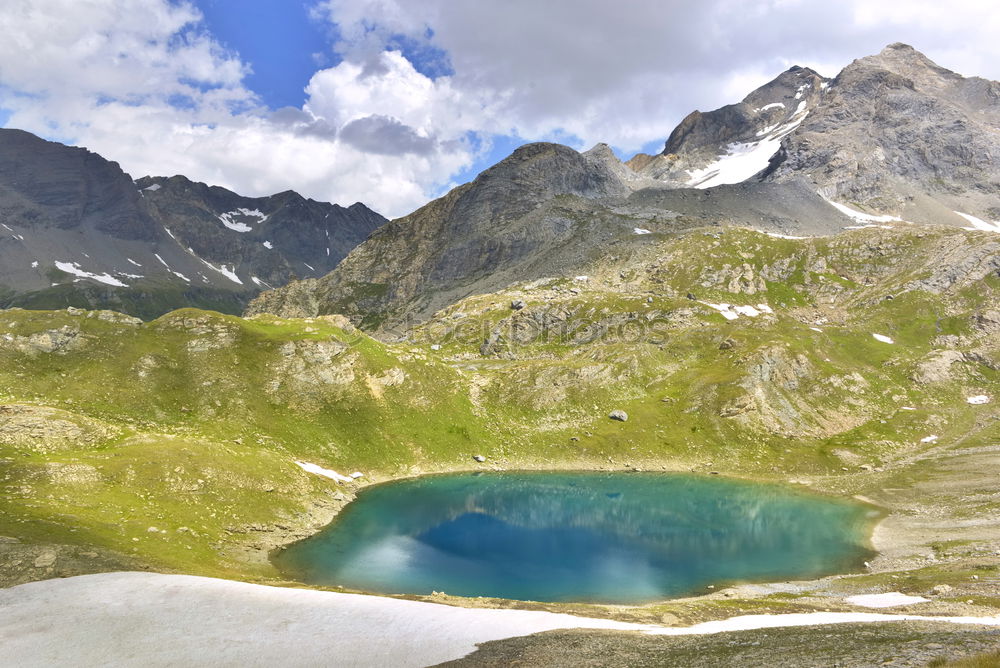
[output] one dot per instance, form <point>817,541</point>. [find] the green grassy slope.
<point>173,443</point>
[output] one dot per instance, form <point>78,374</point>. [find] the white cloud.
<point>143,83</point>
<point>626,73</point>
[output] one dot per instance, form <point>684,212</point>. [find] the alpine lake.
<point>617,538</point>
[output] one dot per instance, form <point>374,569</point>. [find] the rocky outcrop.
<point>38,429</point>
<point>59,341</point>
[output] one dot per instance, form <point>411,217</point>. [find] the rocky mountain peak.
<point>734,142</point>
<point>905,61</point>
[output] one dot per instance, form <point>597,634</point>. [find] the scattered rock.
<point>479,458</point>
<point>619,415</point>
<point>45,559</point>
<point>941,589</point>
<point>517,304</point>
<point>728,344</point>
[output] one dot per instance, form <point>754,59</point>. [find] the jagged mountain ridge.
<point>894,134</point>
<point>735,142</point>
<point>802,155</point>
<point>75,230</point>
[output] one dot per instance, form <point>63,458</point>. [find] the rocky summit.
<point>75,230</point>
<point>893,138</point>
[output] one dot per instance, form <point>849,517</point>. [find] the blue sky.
<point>277,39</point>
<point>393,102</point>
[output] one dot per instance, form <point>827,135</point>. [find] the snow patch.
<point>326,473</point>
<point>152,188</point>
<point>582,279</point>
<point>889,600</point>
<point>268,245</point>
<point>732,312</point>
<point>929,439</point>
<point>34,265</point>
<point>639,230</point>
<point>133,262</point>
<point>52,622</point>
<point>181,276</point>
<point>883,338</point>
<point>259,283</point>
<point>773,105</point>
<point>783,236</point>
<point>723,309</point>
<point>311,268</point>
<point>224,270</point>
<point>816,329</point>
<point>162,261</point>
<point>978,400</point>
<point>229,219</point>
<point>860,216</point>
<point>74,268</point>
<point>980,224</point>
<point>743,160</point>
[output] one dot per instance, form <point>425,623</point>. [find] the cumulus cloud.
<point>625,73</point>
<point>411,93</point>
<point>386,135</point>
<point>142,83</point>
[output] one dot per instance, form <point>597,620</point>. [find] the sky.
<point>394,102</point>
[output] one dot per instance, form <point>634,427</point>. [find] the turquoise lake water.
<point>597,537</point>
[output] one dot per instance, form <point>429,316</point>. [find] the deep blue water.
<point>599,537</point>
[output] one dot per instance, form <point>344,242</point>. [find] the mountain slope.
<point>75,230</point>
<point>893,137</point>
<point>730,350</point>
<point>894,134</point>
<point>731,144</point>
<point>903,136</point>
<point>541,202</point>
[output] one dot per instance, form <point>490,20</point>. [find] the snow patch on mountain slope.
<point>326,473</point>
<point>860,216</point>
<point>225,271</point>
<point>980,224</point>
<point>229,219</point>
<point>74,269</point>
<point>743,160</point>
